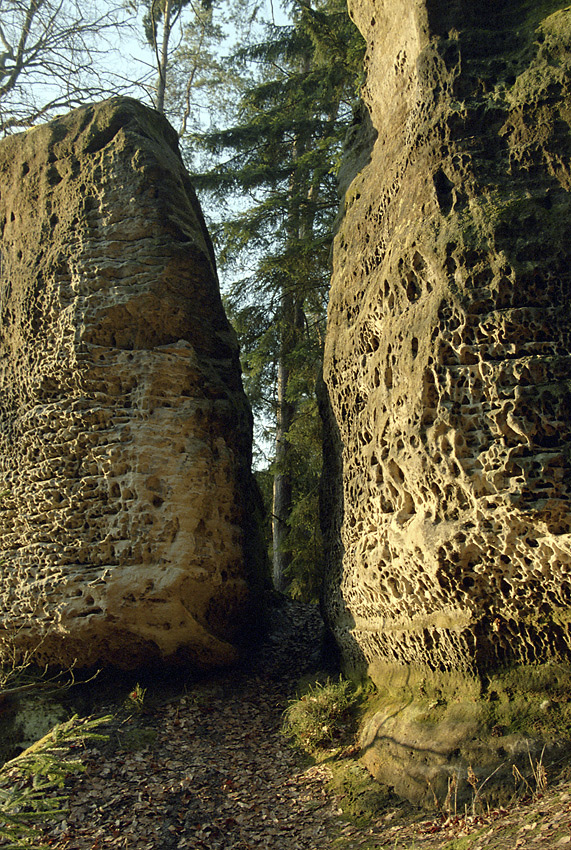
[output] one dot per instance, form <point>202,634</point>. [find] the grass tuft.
<point>324,716</point>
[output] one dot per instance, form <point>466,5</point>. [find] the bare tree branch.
<point>58,54</point>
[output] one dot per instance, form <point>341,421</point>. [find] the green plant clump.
<point>323,717</point>
<point>30,784</point>
<point>135,700</point>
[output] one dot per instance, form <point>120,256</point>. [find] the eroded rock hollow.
<point>448,510</point>
<point>127,530</point>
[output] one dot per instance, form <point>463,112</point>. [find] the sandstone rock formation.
<point>127,532</point>
<point>448,510</point>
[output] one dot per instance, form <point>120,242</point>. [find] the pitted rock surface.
<point>127,528</point>
<point>447,355</point>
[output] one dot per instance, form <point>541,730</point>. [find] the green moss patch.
<point>360,797</point>
<point>133,740</point>
<point>534,700</point>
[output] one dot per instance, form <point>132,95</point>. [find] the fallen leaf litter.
<point>219,775</point>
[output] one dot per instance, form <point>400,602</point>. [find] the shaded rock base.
<point>443,740</point>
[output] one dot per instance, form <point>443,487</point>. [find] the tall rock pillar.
<point>448,357</point>
<point>127,531</point>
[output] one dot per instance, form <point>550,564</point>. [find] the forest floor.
<point>203,764</point>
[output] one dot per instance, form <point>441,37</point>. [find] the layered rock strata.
<point>127,529</point>
<point>447,355</point>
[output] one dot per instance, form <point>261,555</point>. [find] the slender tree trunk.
<point>282,490</point>
<point>292,322</point>
<point>163,58</point>
<point>292,326</point>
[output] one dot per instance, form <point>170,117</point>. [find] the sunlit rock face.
<point>446,497</point>
<point>127,531</point>
<point>447,357</point>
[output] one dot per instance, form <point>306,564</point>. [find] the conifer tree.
<point>31,783</point>
<point>278,159</point>
<point>185,39</point>
<point>198,78</point>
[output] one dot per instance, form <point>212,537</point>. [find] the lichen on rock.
<point>447,353</point>
<point>127,531</point>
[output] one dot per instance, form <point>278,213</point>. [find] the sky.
<point>134,57</point>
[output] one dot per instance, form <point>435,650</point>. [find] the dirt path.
<point>218,775</point>
<point>209,768</point>
<point>216,771</point>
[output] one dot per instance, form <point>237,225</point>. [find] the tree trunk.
<point>292,319</point>
<point>282,490</point>
<point>163,58</point>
